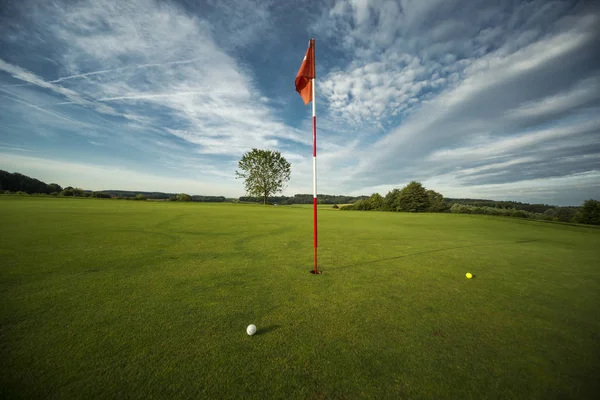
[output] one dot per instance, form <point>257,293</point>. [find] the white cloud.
<point>553,190</point>
<point>583,94</point>
<point>514,144</point>
<point>484,101</point>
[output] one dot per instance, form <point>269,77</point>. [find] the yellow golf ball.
<point>469,275</point>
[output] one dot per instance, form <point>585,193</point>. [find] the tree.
<point>436,201</point>
<point>140,197</point>
<point>54,187</point>
<point>362,205</point>
<point>18,182</point>
<point>392,200</point>
<point>413,198</point>
<point>265,172</point>
<point>376,202</point>
<point>564,214</point>
<point>183,197</point>
<point>68,191</point>
<point>589,213</point>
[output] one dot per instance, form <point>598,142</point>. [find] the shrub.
<point>460,209</point>
<point>392,200</point>
<point>362,205</point>
<point>505,212</point>
<point>519,214</point>
<point>589,213</point>
<point>436,201</point>
<point>565,214</point>
<point>376,202</point>
<point>335,206</point>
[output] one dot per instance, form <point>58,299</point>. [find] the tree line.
<point>534,208</point>
<point>588,213</point>
<point>17,183</point>
<point>414,197</point>
<point>164,196</point>
<point>305,199</point>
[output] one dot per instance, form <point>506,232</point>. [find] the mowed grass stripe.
<point>105,298</point>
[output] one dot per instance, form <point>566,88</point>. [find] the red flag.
<point>306,73</point>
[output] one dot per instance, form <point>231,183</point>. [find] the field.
<point>106,298</point>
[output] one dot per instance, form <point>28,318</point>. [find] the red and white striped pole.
<point>314,112</point>
<point>307,74</point>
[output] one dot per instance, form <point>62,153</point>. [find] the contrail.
<point>152,96</point>
<point>106,71</point>
<point>43,110</point>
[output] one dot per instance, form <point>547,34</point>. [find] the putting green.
<point>107,298</point>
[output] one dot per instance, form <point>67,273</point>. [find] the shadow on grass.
<point>430,251</point>
<point>267,329</point>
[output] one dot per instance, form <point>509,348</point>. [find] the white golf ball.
<point>251,330</point>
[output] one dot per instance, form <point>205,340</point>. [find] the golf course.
<point>143,299</point>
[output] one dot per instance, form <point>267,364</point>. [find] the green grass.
<point>104,298</point>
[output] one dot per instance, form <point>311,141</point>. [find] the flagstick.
<point>314,112</point>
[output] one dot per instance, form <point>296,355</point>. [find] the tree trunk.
<point>265,199</point>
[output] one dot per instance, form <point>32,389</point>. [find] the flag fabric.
<point>306,74</point>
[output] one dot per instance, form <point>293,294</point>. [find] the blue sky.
<point>487,99</point>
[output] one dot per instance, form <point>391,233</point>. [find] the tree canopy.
<point>15,182</point>
<point>413,197</point>
<point>265,172</point>
<point>590,213</point>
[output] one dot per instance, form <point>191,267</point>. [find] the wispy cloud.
<point>26,76</point>
<point>117,70</point>
<point>57,115</point>
<point>11,148</point>
<point>151,78</point>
